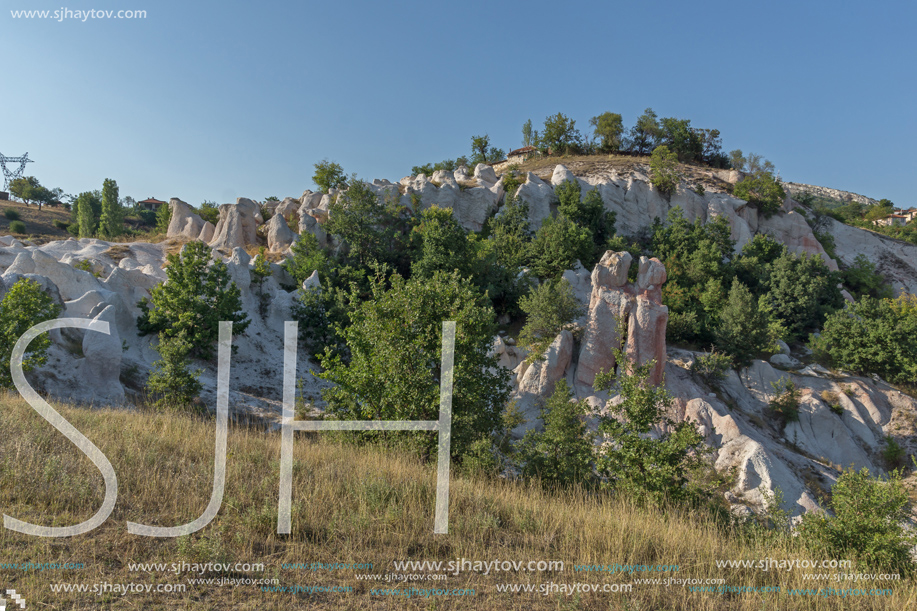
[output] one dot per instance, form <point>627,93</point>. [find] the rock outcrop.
<point>615,307</point>
<point>279,235</point>
<point>536,381</point>
<point>238,225</point>
<point>185,223</point>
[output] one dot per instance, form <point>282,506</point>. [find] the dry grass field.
<point>39,224</point>
<point>351,504</point>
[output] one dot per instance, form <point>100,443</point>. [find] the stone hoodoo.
<point>238,225</point>
<point>616,307</point>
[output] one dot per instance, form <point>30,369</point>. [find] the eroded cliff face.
<point>801,459</point>
<point>622,316</point>
<point>843,420</point>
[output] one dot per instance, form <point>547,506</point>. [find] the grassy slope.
<point>39,225</point>
<point>351,504</point>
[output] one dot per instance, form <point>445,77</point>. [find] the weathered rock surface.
<point>539,197</point>
<point>185,223</point>
<point>279,235</point>
<point>238,225</point>
<point>537,380</point>
<point>288,208</point>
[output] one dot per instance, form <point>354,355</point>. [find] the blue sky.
<point>215,100</point>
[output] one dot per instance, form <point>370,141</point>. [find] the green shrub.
<point>197,294</point>
<point>61,224</point>
<point>210,211</point>
<point>172,380</point>
<point>549,309</point>
<point>17,227</point>
<point>873,336</point>
<point>786,401</point>
<point>655,467</point>
<point>893,454</point>
<point>762,190</point>
<point>712,367</point>
<point>664,170</point>
<point>867,523</point>
<point>11,214</point>
<point>163,217</point>
<point>562,453</point>
<point>24,306</point>
<point>862,278</point>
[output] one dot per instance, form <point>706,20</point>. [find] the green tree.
<point>442,245</point>
<point>197,294</point>
<point>529,136</point>
<point>867,525</point>
<point>24,306</point>
<point>172,380</point>
<point>746,327</point>
<point>560,135</point>
<point>737,160</point>
<point>209,211</point>
<point>111,223</point>
<point>664,170</point>
<point>588,211</point>
<point>696,256</point>
<point>261,271</point>
<point>609,128</point>
<point>873,336</point>
<point>329,175</point>
<point>562,454</point>
<point>163,217</point>
<point>306,256</point>
<point>86,217</point>
<point>762,190</point>
<point>549,309</point>
<point>558,245</point>
<point>396,336</point>
<point>510,233</point>
<point>655,467</point>
<point>374,229</point>
<point>645,133</point>
<point>483,152</point>
<point>879,211</point>
<point>29,189</point>
<point>681,139</point>
<point>802,291</point>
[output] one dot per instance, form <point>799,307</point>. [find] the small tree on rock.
<point>196,296</point>
<point>24,306</point>
<point>664,170</point>
<point>655,467</point>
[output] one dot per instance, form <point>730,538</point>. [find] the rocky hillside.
<point>843,420</point>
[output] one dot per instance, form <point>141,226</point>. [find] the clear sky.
<point>215,100</point>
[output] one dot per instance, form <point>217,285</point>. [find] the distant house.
<point>150,204</point>
<point>892,219</point>
<point>910,215</point>
<point>522,155</point>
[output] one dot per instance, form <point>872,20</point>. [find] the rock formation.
<point>279,235</point>
<point>184,222</point>
<point>238,225</point>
